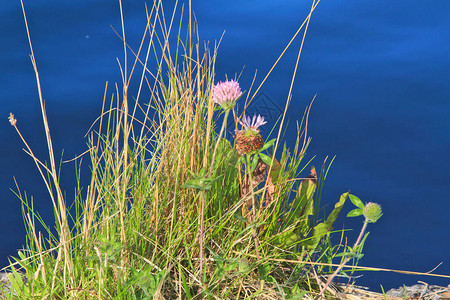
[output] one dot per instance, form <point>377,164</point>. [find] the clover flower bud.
<point>372,212</point>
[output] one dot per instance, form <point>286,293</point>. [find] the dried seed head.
<point>246,143</point>
<point>248,138</point>
<point>12,120</point>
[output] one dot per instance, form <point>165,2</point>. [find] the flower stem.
<point>224,125</point>
<point>250,179</point>
<point>203,197</point>
<point>202,234</point>
<point>330,278</point>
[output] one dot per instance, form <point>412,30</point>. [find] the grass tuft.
<point>172,209</point>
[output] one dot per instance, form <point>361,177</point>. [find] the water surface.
<point>380,71</point>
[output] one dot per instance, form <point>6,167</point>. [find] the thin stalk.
<point>202,233</point>
<point>224,125</point>
<point>203,198</point>
<point>250,179</point>
<point>64,230</point>
<point>345,261</point>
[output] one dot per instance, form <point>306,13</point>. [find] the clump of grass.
<point>172,208</point>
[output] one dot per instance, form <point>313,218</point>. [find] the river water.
<point>380,70</point>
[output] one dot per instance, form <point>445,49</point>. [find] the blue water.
<point>380,70</point>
